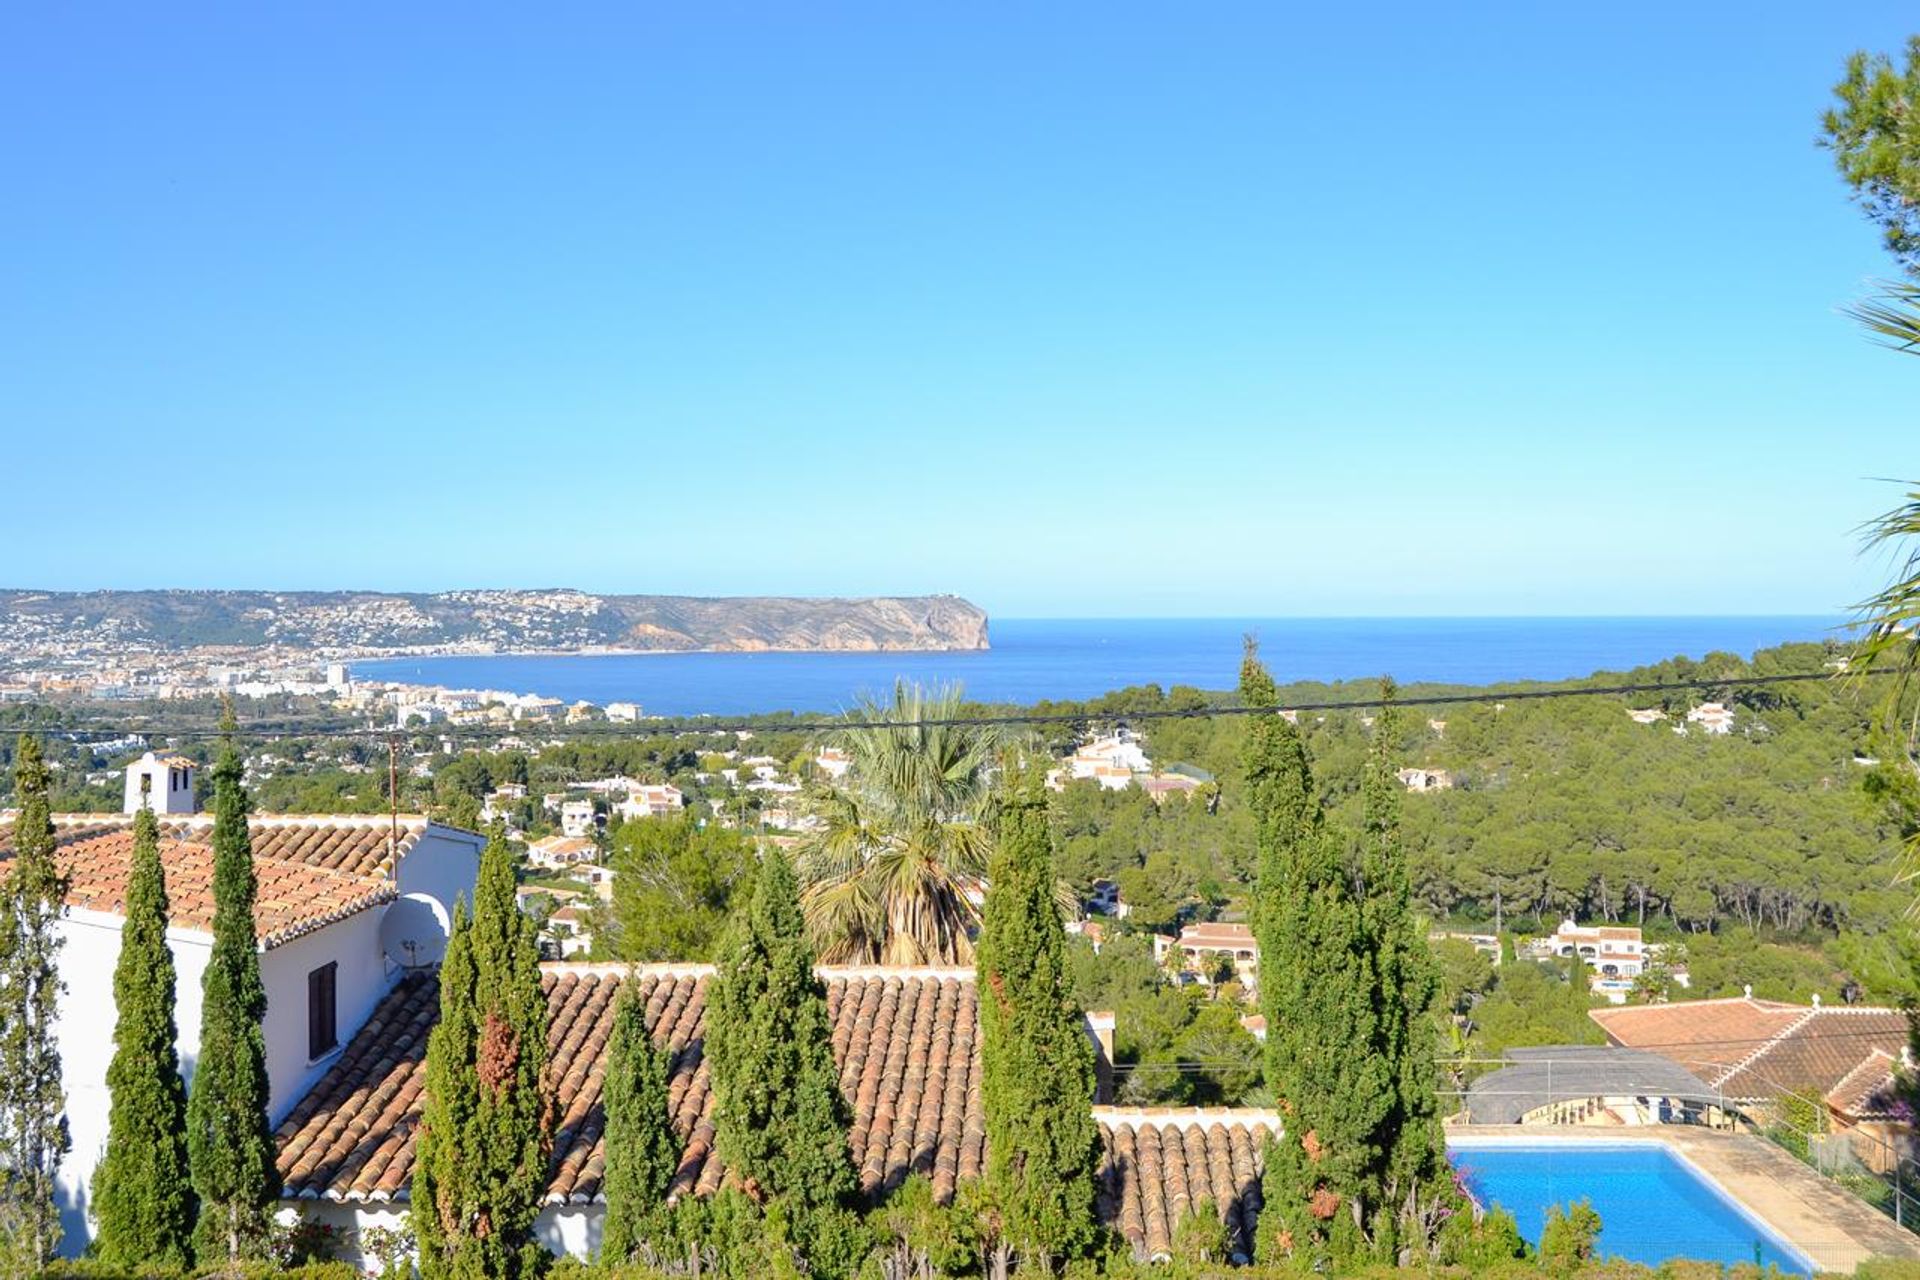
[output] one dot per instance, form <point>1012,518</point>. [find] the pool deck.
<point>1832,1227</point>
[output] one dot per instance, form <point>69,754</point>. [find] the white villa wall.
<point>85,1030</point>
<point>86,1024</point>
<point>353,944</point>
<point>566,1230</point>
<point>444,863</point>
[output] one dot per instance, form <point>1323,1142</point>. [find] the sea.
<point>1033,659</point>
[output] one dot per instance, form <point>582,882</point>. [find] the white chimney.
<point>1746,992</point>
<point>163,784</point>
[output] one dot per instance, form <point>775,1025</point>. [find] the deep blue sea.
<point>1032,659</point>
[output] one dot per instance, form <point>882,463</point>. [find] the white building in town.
<point>649,800</point>
<point>346,906</point>
<point>576,817</point>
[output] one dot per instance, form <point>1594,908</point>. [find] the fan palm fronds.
<point>895,872</point>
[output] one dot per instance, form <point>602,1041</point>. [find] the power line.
<point>704,725</point>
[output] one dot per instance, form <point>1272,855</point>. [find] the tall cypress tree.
<point>229,1147</point>
<point>1316,989</point>
<point>1278,777</point>
<point>642,1149</point>
<point>1412,1181</point>
<point>1043,1148</point>
<point>33,1123</point>
<point>780,1119</point>
<point>142,1189</point>
<point>480,1171</point>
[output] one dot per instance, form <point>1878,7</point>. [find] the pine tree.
<point>229,1147</point>
<point>1412,1182</point>
<point>33,1124</point>
<point>779,1116</point>
<point>480,1171</point>
<point>642,1149</point>
<point>1043,1148</point>
<point>142,1190</point>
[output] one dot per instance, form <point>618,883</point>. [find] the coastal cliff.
<point>505,621</point>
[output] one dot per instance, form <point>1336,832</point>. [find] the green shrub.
<point>1688,1269</point>
<point>1887,1269</point>
<point>1476,1244</point>
<point>1567,1241</point>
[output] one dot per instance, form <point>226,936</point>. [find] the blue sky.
<point>1101,309</point>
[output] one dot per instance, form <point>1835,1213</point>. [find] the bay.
<point>1034,659</point>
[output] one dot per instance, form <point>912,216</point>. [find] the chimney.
<point>1816,999</point>
<point>1746,992</point>
<point>1100,1031</point>
<point>163,784</point>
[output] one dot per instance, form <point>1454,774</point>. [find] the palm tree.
<point>1890,618</point>
<point>893,874</point>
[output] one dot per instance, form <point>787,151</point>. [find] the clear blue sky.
<point>1099,309</point>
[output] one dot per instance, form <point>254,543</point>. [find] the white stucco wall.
<point>87,1019</point>
<point>85,1029</point>
<point>568,1230</point>
<point>353,944</point>
<point>443,864</point>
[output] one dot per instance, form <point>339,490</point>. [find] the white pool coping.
<point>1535,1142</point>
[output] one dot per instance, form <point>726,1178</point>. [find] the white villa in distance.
<point>1713,717</point>
<point>1111,760</point>
<point>347,906</point>
<point>651,800</point>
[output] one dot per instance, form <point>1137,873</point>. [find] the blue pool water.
<point>1653,1206</point>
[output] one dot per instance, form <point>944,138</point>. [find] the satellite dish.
<point>413,933</point>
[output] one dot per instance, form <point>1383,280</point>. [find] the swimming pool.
<point>1653,1205</point>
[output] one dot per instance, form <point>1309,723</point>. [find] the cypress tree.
<point>1316,989</point>
<point>229,1148</point>
<point>33,1123</point>
<point>780,1119</point>
<point>142,1190</point>
<point>1043,1148</point>
<point>642,1149</point>
<point>480,1171</point>
<point>1278,778</point>
<point>1412,1181</point>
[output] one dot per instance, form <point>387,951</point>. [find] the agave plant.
<point>895,871</point>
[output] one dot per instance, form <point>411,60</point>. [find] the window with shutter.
<point>322,1026</point>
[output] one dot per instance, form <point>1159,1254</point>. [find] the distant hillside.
<point>486,621</point>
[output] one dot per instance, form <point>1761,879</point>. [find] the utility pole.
<point>393,805</point>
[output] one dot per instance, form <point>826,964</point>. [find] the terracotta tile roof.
<point>1164,1163</point>
<point>905,1041</point>
<point>1819,1051</point>
<point>1752,1049</point>
<point>1869,1091</point>
<point>293,898</point>
<point>1699,1034</point>
<point>312,870</point>
<point>353,843</point>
